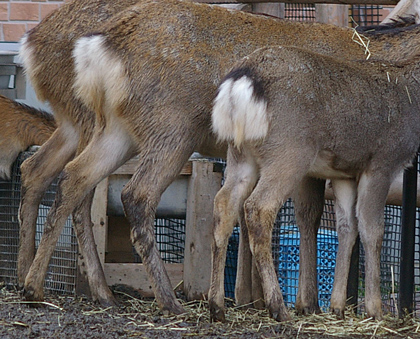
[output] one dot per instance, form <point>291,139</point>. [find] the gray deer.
<point>148,76</point>
<point>290,114</point>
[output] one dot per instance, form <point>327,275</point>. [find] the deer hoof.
<point>30,295</point>
<point>308,310</point>
<point>280,314</point>
<point>108,301</point>
<point>217,314</point>
<point>172,308</point>
<point>338,312</point>
<point>375,315</point>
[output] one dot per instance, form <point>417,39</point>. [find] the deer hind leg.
<point>372,192</point>
<point>277,181</point>
<point>345,192</point>
<point>248,288</point>
<point>38,172</point>
<point>309,206</point>
<point>88,255</point>
<point>140,197</point>
<point>108,149</point>
<point>241,176</point>
<point>82,223</point>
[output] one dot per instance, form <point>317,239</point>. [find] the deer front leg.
<point>98,160</point>
<point>309,206</point>
<point>38,172</point>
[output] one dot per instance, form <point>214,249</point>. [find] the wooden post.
<point>203,186</point>
<point>100,230</point>
<point>332,14</point>
<point>270,8</point>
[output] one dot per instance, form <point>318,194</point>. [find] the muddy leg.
<point>140,197</point>
<point>277,181</point>
<point>309,206</point>
<point>241,176</point>
<point>248,288</point>
<point>38,172</point>
<point>95,274</point>
<point>372,193</point>
<point>345,192</point>
<point>107,151</point>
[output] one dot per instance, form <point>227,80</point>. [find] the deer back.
<point>167,58</point>
<point>342,115</point>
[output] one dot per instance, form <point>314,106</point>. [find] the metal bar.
<point>408,221</point>
<point>342,2</point>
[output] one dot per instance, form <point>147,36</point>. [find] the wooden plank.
<point>131,165</point>
<point>100,219</point>
<point>9,93</point>
<point>342,2</point>
<point>203,187</point>
<point>120,247</point>
<point>135,275</point>
<point>20,83</point>
<point>274,9</point>
<point>332,14</point>
<point>7,69</point>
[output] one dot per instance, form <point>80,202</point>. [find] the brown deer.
<point>46,54</point>
<point>21,126</point>
<point>289,114</point>
<point>150,74</point>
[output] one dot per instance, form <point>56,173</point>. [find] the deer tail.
<point>240,109</point>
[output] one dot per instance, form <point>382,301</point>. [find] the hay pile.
<point>69,316</point>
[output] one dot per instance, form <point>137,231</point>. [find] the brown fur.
<point>173,54</point>
<point>21,126</point>
<point>50,69</point>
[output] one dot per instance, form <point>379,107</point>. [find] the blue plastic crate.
<point>289,264</point>
<point>231,264</point>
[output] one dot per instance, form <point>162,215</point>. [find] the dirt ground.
<point>77,317</point>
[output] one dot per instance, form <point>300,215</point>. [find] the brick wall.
<point>17,17</point>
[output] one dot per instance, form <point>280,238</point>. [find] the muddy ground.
<point>77,317</point>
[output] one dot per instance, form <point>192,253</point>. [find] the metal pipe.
<point>408,222</point>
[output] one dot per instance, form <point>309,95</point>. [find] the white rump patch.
<point>237,115</point>
<point>100,77</point>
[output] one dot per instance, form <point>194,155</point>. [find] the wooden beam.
<point>340,2</point>
<point>135,275</point>
<point>131,165</point>
<point>332,14</point>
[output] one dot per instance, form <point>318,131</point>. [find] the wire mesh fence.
<point>365,15</point>
<point>62,271</point>
<point>299,12</point>
<point>170,240</point>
